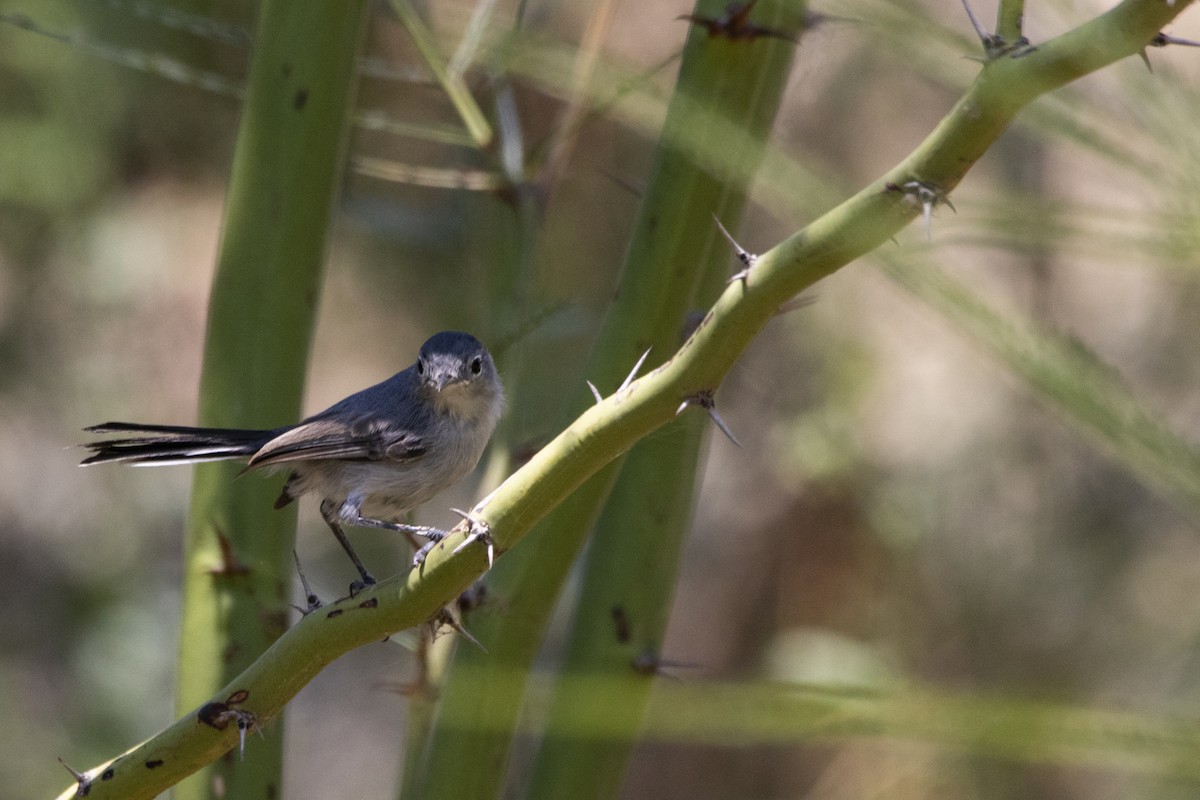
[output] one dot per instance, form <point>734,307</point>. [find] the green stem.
<point>453,85</point>
<point>1010,19</point>
<point>629,573</point>
<point>261,314</point>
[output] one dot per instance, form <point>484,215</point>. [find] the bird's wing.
<point>364,438</point>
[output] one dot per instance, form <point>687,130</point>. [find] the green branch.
<point>262,309</point>
<point>1010,19</point>
<point>452,83</point>
<point>608,429</point>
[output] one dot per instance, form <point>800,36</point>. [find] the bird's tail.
<point>157,445</point>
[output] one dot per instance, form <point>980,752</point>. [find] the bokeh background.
<point>905,510</point>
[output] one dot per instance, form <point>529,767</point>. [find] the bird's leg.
<point>431,535</point>
<point>351,513</point>
<point>423,531</point>
<point>329,513</point>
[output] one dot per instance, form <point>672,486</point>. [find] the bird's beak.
<point>440,378</point>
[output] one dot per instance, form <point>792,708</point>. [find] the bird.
<point>368,458</point>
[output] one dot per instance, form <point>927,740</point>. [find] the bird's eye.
<point>476,365</point>
<point>420,366</point>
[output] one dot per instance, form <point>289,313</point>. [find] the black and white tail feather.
<point>165,445</point>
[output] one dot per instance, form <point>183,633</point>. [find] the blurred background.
<point>906,509</point>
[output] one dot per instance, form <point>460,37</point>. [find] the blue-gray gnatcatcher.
<point>370,457</point>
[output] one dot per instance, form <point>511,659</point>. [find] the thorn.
<point>1162,40</point>
<point>628,380</point>
<point>705,400</point>
<point>466,634</point>
<point>310,597</point>
<point>980,31</point>
<point>735,24</point>
<point>241,724</point>
<point>444,617</point>
<point>720,423</point>
<point>247,722</point>
<point>230,565</point>
<point>624,384</point>
<point>480,532</point>
<point>219,715</point>
<point>746,258</point>
<point>994,45</point>
<point>81,778</point>
<point>635,189</point>
<point>795,304</point>
<point>929,195</point>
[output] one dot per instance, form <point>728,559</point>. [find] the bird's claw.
<point>360,586</point>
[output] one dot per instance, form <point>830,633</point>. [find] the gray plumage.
<point>377,453</point>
